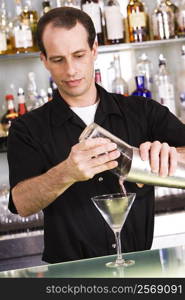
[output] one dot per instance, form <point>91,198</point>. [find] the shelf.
<point>104,49</point>
<point>148,44</point>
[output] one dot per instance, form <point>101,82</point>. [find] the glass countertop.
<point>167,262</point>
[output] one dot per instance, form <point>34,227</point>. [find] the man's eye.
<point>57,60</point>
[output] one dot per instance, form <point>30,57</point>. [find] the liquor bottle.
<point>93,9</point>
<point>140,87</point>
<point>52,84</point>
<point>32,91</point>
<point>50,94</point>
<point>29,17</point>
<point>114,23</point>
<point>180,16</point>
<point>119,85</point>
<point>163,21</point>
<point>22,34</point>
<point>46,6</point>
<point>181,85</point>
<point>3,36</point>
<point>175,9</point>
<point>164,85</point>
<point>22,109</point>
<point>110,76</point>
<point>59,3</point>
<point>144,67</point>
<point>10,114</point>
<point>43,96</point>
<point>138,22</point>
<point>71,3</point>
<point>6,36</point>
<point>98,76</point>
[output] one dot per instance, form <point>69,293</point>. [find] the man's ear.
<point>44,59</point>
<point>95,49</point>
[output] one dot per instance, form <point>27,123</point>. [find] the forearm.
<point>32,195</point>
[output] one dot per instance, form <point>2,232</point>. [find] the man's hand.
<point>163,158</point>
<point>91,157</point>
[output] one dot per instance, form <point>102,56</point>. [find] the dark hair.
<point>66,17</point>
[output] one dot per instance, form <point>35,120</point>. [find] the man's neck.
<point>88,98</point>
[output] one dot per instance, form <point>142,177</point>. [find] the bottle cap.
<point>9,97</point>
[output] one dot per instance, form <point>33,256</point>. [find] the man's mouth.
<point>73,83</point>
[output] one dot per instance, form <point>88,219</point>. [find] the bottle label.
<point>93,10</point>
<point>21,99</point>
<point>167,96</point>
<point>163,26</point>
<point>3,42</point>
<point>181,20</point>
<point>114,22</point>
<point>137,19</point>
<point>23,38</point>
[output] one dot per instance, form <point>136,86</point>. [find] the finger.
<point>154,156</point>
<point>103,159</point>
<point>100,150</point>
<point>164,160</point>
<point>140,185</point>
<point>91,143</point>
<point>105,167</point>
<point>172,161</point>
<point>144,149</point>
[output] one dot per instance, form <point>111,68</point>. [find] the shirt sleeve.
<point>165,126</point>
<point>24,156</point>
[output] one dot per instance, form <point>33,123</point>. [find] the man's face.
<point>69,59</point>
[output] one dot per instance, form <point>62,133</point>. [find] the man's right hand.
<point>91,157</point>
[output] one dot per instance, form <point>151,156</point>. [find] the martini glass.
<point>114,208</point>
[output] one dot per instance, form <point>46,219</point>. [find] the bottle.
<point>114,22</point>
<point>3,37</point>
<point>165,88</point>
<point>32,91</point>
<point>181,85</point>
<point>6,36</point>
<point>140,87</point>
<point>46,6</point>
<point>52,84</point>
<point>59,3</point>
<point>130,165</point>
<point>175,9</point>
<point>29,17</point>
<point>22,34</point>
<point>71,3</point>
<point>98,76</point>
<point>22,109</point>
<point>110,76</point>
<point>180,17</point>
<point>50,94</point>
<point>10,114</point>
<point>92,8</point>
<point>163,21</point>
<point>145,67</point>
<point>138,24</point>
<point>119,85</point>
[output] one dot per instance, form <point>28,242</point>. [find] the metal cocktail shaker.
<point>130,166</point>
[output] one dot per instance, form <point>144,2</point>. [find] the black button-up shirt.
<point>73,227</point>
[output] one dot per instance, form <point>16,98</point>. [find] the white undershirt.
<point>86,113</point>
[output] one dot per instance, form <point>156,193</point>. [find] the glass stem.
<point>118,246</point>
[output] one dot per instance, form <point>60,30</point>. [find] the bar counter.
<point>167,262</point>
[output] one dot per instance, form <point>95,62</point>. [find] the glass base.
<point>121,263</point>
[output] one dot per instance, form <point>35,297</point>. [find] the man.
<point>51,171</point>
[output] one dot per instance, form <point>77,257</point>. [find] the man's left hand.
<point>163,158</point>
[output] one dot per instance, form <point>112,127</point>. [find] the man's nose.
<point>70,68</point>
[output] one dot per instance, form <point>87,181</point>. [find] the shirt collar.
<point>61,111</point>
